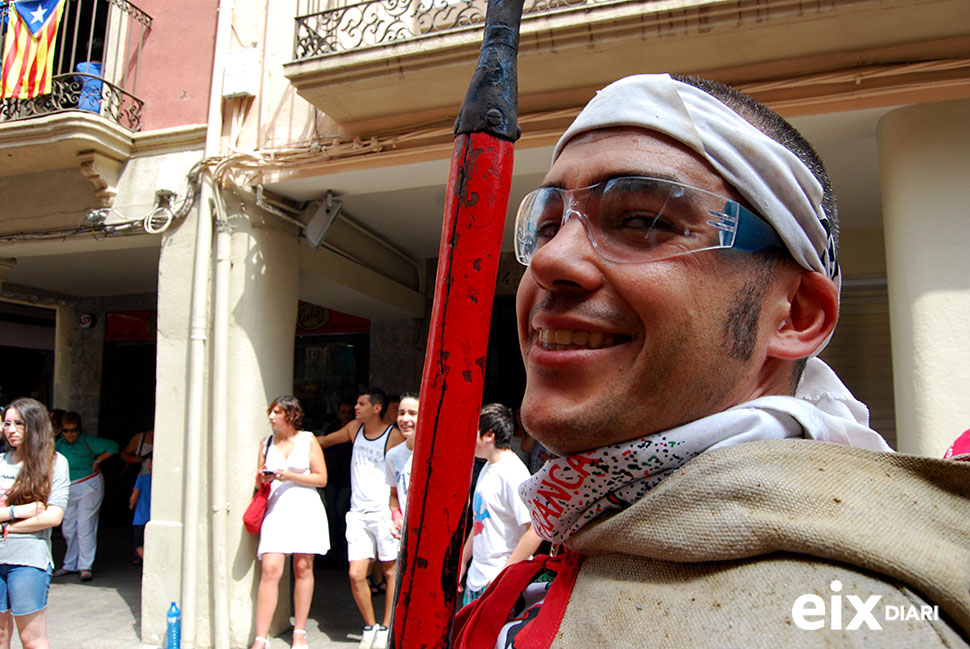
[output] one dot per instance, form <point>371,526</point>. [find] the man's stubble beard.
<point>615,417</point>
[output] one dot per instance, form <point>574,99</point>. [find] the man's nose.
<point>568,258</point>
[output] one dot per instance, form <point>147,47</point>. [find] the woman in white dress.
<point>295,521</point>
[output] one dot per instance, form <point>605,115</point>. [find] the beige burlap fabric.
<point>717,554</point>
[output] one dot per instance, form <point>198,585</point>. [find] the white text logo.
<point>810,612</point>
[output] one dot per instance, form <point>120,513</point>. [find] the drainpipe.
<point>220,427</point>
<point>195,429</point>
<point>195,421</point>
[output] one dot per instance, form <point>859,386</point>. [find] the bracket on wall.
<point>103,172</point>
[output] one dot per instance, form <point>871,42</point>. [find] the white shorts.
<point>369,537</point>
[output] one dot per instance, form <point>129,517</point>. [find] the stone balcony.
<point>404,61</point>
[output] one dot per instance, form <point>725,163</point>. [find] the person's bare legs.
<point>361,590</point>
<point>267,594</point>
<point>33,630</point>
<point>302,594</point>
<point>390,576</point>
<point>6,629</point>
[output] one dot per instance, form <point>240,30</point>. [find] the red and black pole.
<point>454,365</point>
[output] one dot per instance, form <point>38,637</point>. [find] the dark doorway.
<point>26,373</point>
<point>504,372</point>
<point>127,407</point>
<point>326,369</point>
<point>27,352</point>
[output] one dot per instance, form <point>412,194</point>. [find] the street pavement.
<point>105,613</point>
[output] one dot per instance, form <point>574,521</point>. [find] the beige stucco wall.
<point>862,252</point>
<point>924,157</point>
<point>262,297</point>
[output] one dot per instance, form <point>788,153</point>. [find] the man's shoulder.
<point>757,598</point>
<point>828,502</point>
<point>372,431</point>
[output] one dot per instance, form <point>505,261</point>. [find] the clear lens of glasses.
<point>637,219</point>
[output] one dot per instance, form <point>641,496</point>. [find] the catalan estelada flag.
<point>28,51</point>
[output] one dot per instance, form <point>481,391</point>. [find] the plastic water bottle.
<point>173,633</point>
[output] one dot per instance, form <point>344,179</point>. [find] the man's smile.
<point>565,339</point>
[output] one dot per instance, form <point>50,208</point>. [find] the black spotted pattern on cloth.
<point>568,493</point>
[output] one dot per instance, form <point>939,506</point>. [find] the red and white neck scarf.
<point>570,492</point>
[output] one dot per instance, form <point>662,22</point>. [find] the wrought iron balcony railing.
<point>79,91</point>
<point>96,61</point>
<point>331,30</point>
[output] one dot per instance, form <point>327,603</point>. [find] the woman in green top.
<point>84,454</point>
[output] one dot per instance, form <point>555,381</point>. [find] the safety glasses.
<point>638,219</point>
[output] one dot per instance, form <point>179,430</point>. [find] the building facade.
<point>297,153</point>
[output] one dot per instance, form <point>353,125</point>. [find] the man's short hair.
<point>377,397</point>
<point>497,419</point>
<point>778,129</point>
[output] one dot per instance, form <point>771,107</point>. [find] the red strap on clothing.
<point>478,625</point>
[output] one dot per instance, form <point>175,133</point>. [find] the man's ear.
<point>812,313</point>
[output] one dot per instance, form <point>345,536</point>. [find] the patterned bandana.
<point>570,492</point>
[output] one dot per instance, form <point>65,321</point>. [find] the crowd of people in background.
<point>381,448</point>
<point>51,475</point>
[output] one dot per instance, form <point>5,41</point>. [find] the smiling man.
<point>681,277</point>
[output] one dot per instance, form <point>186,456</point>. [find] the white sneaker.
<point>367,641</point>
<point>380,639</point>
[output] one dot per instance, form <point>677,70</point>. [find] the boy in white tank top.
<point>369,519</point>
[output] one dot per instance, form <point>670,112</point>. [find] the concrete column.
<point>263,308</point>
<point>63,323</point>
<point>161,581</point>
<point>924,157</point>
<point>262,305</point>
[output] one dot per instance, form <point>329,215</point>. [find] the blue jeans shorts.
<point>23,589</point>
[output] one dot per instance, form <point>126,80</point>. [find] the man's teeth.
<point>557,339</point>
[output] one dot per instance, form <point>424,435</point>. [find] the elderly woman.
<point>291,461</point>
<point>84,454</point>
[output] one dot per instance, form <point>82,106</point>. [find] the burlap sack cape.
<point>717,554</point>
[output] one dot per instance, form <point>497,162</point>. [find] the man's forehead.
<point>598,155</point>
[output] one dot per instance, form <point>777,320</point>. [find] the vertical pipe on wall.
<point>220,427</point>
<point>195,422</point>
<point>195,416</point>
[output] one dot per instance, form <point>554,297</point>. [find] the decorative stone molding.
<point>103,172</point>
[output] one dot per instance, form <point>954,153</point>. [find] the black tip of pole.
<point>491,102</point>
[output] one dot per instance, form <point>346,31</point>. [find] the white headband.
<point>778,185</point>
